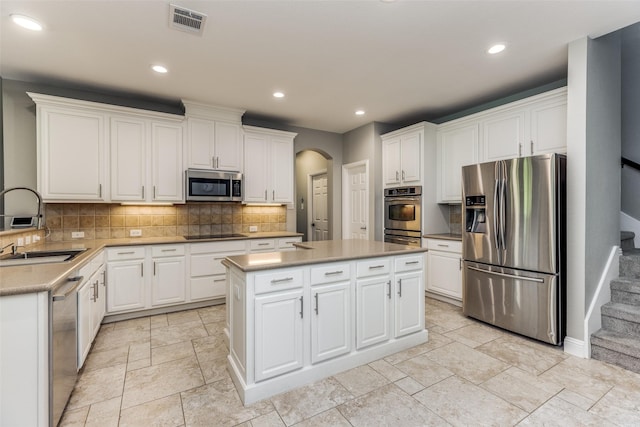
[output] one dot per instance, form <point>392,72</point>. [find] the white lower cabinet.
<point>444,267</point>
<point>91,310</point>
<point>373,296</point>
<point>409,299</point>
<point>331,314</point>
<point>126,286</point>
<point>167,283</point>
<point>279,333</point>
<point>207,274</point>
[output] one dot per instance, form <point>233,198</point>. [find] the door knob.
<point>363,228</point>
<point>313,224</point>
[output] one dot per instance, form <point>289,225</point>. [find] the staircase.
<point>618,342</point>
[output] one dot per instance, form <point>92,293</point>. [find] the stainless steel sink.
<point>39,257</point>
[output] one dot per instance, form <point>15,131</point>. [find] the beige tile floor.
<point>169,370</point>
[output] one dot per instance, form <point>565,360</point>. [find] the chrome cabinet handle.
<point>265,194</point>
<point>99,190</point>
<point>126,253</point>
<point>169,250</point>
<point>333,273</point>
<point>442,245</point>
<point>154,268</point>
<point>460,259</point>
<point>403,175</point>
<point>411,262</point>
<point>389,289</point>
<point>316,297</point>
<point>263,244</point>
<point>400,288</point>
<point>143,191</point>
<point>286,279</point>
<point>213,162</point>
<point>532,147</point>
<point>397,179</point>
<point>141,269</point>
<point>374,267</point>
<point>154,192</point>
<point>219,280</point>
<point>301,307</point>
<point>520,149</point>
<point>273,195</point>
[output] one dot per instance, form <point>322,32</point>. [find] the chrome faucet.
<point>39,197</point>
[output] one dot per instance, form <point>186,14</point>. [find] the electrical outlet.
<point>77,234</point>
<point>27,240</point>
<point>20,241</point>
<point>36,238</point>
<point>253,228</point>
<point>135,233</point>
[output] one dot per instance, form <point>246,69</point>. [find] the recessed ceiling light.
<point>496,48</point>
<point>359,112</point>
<point>26,22</point>
<point>278,95</point>
<point>159,69</point>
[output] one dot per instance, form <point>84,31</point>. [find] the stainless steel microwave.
<point>213,186</point>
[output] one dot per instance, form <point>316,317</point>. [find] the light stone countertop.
<point>22,279</point>
<point>319,252</point>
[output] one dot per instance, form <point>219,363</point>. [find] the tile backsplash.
<point>113,221</point>
<point>455,219</point>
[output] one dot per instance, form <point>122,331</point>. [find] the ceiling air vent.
<point>187,20</point>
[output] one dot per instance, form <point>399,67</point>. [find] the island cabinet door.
<point>278,333</point>
<point>330,321</point>
<point>373,298</point>
<point>409,303</point>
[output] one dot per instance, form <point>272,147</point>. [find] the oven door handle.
<point>402,199</point>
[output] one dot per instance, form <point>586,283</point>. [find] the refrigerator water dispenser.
<point>475,214</point>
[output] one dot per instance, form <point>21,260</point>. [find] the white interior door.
<point>319,210</point>
<point>355,202</point>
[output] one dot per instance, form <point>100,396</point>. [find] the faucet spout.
<point>38,196</point>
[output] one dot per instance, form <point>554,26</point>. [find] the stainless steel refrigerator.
<point>513,243</point>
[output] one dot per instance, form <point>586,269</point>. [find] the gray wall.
<point>307,162</point>
<point>593,170</point>
<point>1,151</point>
<point>603,156</point>
<point>630,124</point>
<point>360,144</point>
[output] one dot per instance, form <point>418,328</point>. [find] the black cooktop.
<point>214,236</point>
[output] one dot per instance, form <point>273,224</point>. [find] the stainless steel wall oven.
<point>403,215</point>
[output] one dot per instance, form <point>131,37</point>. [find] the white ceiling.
<point>395,60</point>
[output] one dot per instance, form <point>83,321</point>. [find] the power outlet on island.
<point>253,228</point>
<point>135,233</point>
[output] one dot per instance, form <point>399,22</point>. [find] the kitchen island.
<point>297,317</point>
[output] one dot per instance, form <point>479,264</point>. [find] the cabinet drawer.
<point>330,273</point>
<point>209,264</point>
<point>444,245</point>
<point>92,266</point>
<point>262,245</point>
<point>373,267</point>
<point>128,252</point>
<point>167,250</point>
<point>210,247</point>
<point>409,263</point>
<point>278,280</point>
<point>287,243</point>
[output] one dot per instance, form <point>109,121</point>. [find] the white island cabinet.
<point>299,316</point>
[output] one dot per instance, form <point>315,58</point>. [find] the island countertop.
<point>317,253</point>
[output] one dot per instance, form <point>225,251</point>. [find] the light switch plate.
<point>135,233</point>
<point>77,234</point>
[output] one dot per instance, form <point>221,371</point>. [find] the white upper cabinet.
<point>166,166</point>
<point>268,165</point>
<point>146,160</point>
<point>457,146</point>
<point>503,135</point>
<point>72,150</point>
<point>214,137</point>
<point>531,126</point>
<point>89,151</point>
<point>402,156</point>
<point>549,126</point>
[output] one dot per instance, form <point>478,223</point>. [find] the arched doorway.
<point>312,168</point>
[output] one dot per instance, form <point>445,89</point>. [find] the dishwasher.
<point>63,370</point>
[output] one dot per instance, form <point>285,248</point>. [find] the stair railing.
<point>628,162</point>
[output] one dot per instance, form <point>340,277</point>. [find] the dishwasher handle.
<point>68,289</point>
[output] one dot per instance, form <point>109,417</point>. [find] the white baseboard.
<point>629,223</point>
<point>593,318</point>
<point>576,347</point>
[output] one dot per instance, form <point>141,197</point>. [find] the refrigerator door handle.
<point>503,206</point>
<point>510,276</point>
<point>496,207</point>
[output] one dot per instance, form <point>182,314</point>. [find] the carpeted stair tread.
<point>621,311</point>
<point>616,342</point>
<point>626,284</point>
